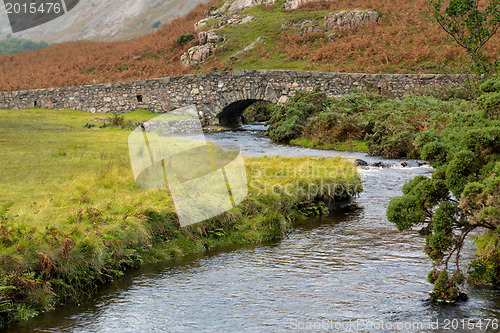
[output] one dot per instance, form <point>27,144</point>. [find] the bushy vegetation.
<point>259,111</point>
<point>405,40</point>
<point>462,197</point>
<point>72,217</point>
<point>184,38</point>
<point>288,120</point>
<point>14,45</point>
<point>388,126</point>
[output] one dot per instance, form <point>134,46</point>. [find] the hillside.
<point>405,39</point>
<point>107,20</point>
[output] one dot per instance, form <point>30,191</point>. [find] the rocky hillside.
<point>104,20</point>
<point>373,36</point>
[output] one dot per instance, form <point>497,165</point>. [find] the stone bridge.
<point>220,97</point>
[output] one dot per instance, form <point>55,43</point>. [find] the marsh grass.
<point>348,145</point>
<point>72,217</point>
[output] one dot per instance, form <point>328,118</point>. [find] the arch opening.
<point>233,113</point>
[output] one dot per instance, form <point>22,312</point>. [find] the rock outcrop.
<point>294,4</point>
<point>218,17</point>
<point>351,19</point>
<point>209,37</point>
<point>228,13</point>
<point>197,54</point>
<point>238,5</point>
<point>240,20</point>
<point>215,22</point>
<point>304,26</point>
<point>217,11</point>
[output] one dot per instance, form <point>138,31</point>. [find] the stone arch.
<point>231,113</point>
<point>230,110</point>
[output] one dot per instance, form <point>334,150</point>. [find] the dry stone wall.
<point>219,96</point>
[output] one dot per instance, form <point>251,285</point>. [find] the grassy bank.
<point>72,217</point>
<point>348,145</point>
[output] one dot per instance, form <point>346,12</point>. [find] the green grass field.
<point>72,217</point>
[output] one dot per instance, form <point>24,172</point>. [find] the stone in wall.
<point>351,19</point>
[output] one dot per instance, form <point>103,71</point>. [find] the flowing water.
<point>350,271</point>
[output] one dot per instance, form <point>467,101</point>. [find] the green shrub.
<point>184,38</point>
<point>15,45</point>
<point>490,102</point>
<point>390,127</point>
<point>289,119</point>
<point>332,127</point>
<point>259,111</point>
<point>447,93</point>
<point>461,197</point>
<point>491,85</point>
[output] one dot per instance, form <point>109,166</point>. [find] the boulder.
<point>381,165</point>
<point>359,162</point>
<point>351,19</point>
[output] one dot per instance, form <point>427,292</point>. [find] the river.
<point>350,271</point>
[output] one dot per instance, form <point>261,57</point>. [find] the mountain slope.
<point>406,39</point>
<point>106,20</point>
